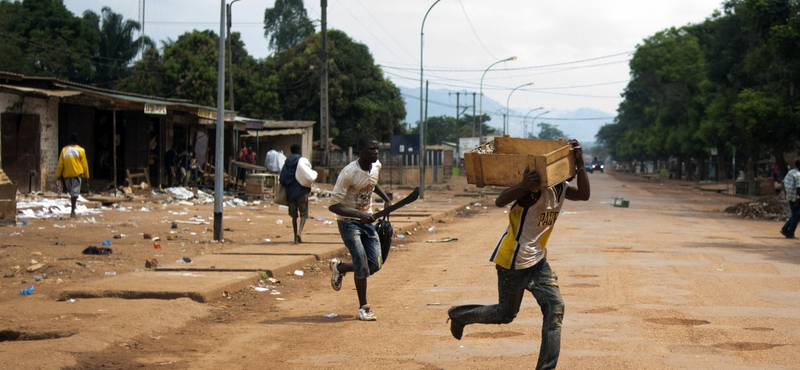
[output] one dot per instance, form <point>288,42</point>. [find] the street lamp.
<point>533,123</point>
<point>421,101</point>
<point>480,131</point>
<point>524,126</point>
<point>220,136</point>
<point>505,124</point>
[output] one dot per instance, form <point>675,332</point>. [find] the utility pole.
<point>323,90</point>
<point>473,115</point>
<point>458,107</point>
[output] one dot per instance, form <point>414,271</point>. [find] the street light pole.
<point>524,126</point>
<point>421,101</point>
<point>505,124</point>
<point>480,121</point>
<point>533,123</point>
<point>220,137</point>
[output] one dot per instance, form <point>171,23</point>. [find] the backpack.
<point>385,234</point>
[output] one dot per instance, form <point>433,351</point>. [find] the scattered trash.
<point>400,236</point>
<point>186,259</point>
<point>95,250</point>
<point>155,239</point>
<point>60,243</point>
<point>156,245</point>
<point>37,278</point>
<point>279,222</point>
<point>59,226</point>
<point>28,291</point>
<point>763,208</point>
<point>320,218</point>
<point>330,315</point>
<point>81,264</point>
<point>151,263</point>
<point>24,223</point>
<point>443,240</point>
<point>275,292</point>
<point>147,236</point>
<point>431,229</point>
<point>35,267</point>
<point>111,273</point>
<point>106,242</point>
<point>260,289</point>
<point>267,240</point>
<point>300,272</point>
<point>174,225</point>
<point>119,236</point>
<point>328,223</point>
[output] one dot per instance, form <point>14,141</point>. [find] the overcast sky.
<point>576,52</point>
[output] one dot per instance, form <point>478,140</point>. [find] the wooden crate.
<point>260,184</point>
<point>503,161</point>
<point>8,200</point>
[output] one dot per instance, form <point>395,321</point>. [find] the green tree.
<point>361,99</point>
<point>117,46</point>
<point>286,24</point>
<point>549,132</point>
<point>43,38</point>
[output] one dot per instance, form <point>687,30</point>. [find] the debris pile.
<point>764,208</point>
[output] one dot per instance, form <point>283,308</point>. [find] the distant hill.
<point>442,102</point>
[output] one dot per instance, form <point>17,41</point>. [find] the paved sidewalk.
<point>209,276</point>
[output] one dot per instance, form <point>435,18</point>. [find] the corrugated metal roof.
<point>47,92</point>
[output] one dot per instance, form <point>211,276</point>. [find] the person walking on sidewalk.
<point>351,201</point>
<point>791,183</point>
<point>72,168</point>
<point>296,193</point>
<point>520,258</point>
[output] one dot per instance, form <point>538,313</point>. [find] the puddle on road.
<point>581,285</point>
<point>677,321</point>
<point>601,310</point>
<point>746,346</point>
<point>759,328</point>
<point>13,335</point>
<point>490,335</point>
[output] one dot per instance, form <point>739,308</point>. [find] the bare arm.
<point>583,190</point>
<point>343,211</point>
<point>378,190</point>
<point>528,185</point>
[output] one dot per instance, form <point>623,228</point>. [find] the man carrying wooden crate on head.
<point>520,258</point>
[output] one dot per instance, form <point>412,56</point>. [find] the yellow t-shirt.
<point>72,162</point>
<point>524,241</point>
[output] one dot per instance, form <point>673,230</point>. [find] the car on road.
<point>595,165</point>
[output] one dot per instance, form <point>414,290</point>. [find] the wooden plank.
<point>510,145</point>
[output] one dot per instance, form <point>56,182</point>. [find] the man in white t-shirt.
<point>792,185</point>
<point>351,201</point>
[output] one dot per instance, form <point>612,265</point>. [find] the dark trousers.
<point>538,279</point>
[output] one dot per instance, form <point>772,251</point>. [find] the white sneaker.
<point>365,314</point>
<point>336,276</point>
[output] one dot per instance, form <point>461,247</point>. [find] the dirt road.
<point>668,283</point>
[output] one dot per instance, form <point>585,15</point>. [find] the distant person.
<point>171,165</point>
<point>183,166</point>
<point>244,154</point>
<point>296,192</point>
<point>72,168</point>
<point>251,156</point>
<point>791,183</point>
<point>521,259</point>
<point>274,160</point>
<point>351,201</point>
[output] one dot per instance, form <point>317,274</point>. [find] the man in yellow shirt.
<point>72,167</point>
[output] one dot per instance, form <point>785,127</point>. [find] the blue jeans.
<point>790,226</point>
<point>364,246</point>
<point>540,280</point>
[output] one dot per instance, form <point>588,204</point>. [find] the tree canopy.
<point>286,24</point>
<point>729,82</point>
